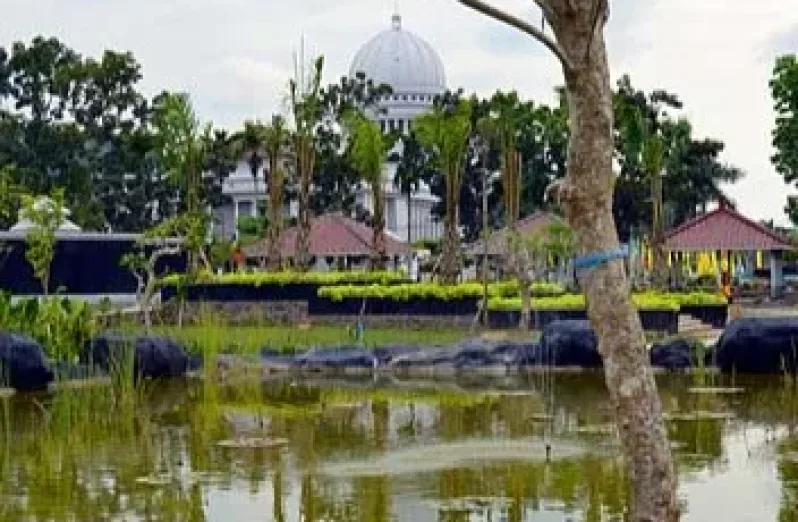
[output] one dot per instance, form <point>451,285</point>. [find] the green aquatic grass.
<point>216,338</point>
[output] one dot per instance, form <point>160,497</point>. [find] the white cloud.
<point>235,56</point>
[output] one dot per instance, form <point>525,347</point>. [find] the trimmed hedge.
<point>289,278</point>
<point>414,291</point>
<point>646,301</point>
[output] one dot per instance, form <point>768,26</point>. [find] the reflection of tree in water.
<point>79,456</point>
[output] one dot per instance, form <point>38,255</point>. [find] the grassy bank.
<point>244,339</point>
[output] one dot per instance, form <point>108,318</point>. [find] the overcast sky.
<point>235,56</point>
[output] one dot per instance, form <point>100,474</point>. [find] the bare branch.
<point>514,21</point>
<point>544,7</point>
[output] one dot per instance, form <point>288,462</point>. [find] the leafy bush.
<point>407,292</point>
<point>60,325</point>
<point>287,278</point>
<point>511,289</point>
<point>647,301</point>
<point>700,299</point>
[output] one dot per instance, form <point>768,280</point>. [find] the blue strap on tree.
<point>595,259</point>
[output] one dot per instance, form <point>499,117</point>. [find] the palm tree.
<point>248,144</point>
<point>486,132</point>
<point>446,132</point>
<point>368,150</point>
<point>276,138</point>
<point>305,95</point>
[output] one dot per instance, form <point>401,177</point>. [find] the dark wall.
<point>81,266</point>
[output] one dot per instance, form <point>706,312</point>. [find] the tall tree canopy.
<point>784,88</point>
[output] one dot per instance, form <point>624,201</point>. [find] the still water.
<point>541,449</point>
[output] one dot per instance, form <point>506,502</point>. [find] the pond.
<point>541,448</point>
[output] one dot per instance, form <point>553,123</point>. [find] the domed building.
<point>415,72</point>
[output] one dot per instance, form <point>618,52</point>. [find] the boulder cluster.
<point>747,346</point>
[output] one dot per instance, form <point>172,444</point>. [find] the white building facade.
<point>415,72</point>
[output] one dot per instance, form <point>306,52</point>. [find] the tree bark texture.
<point>450,255</point>
<point>587,198</point>
<point>305,159</point>
<point>275,225</point>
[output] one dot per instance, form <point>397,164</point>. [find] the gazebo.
<point>334,239</point>
<point>726,231</point>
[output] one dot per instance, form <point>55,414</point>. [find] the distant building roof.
<point>528,226</point>
<point>42,202</point>
<point>331,235</point>
<point>724,229</point>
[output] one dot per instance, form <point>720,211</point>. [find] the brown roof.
<point>724,229</point>
<point>331,235</point>
<point>528,226</point>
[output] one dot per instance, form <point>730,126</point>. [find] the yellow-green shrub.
<point>288,278</point>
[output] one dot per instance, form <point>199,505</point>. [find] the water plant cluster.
<point>653,301</point>
<point>60,325</point>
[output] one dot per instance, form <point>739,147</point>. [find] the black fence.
<point>81,266</point>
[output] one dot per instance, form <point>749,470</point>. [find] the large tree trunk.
<point>587,197</point>
<point>378,241</point>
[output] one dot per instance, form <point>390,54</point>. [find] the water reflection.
<point>374,452</point>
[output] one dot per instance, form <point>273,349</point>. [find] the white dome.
<point>402,60</point>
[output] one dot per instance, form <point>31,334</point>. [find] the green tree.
<point>335,178</point>
<point>446,130</point>
<point>46,215</point>
<point>586,194</point>
<point>641,121</point>
<point>277,146</point>
<point>181,147</point>
<point>368,149</point>
<point>162,240</point>
<point>68,122</point>
<point>784,89</point>
<point>10,197</point>
<point>306,106</point>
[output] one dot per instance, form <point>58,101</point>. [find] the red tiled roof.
<point>528,226</point>
<point>331,235</point>
<point>724,229</point>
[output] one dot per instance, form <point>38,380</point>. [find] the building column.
<point>776,275</point>
<point>750,264</point>
<point>235,218</point>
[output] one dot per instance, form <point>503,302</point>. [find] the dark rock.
<point>759,345</point>
<point>570,343</point>
<point>386,354</point>
<point>426,358</point>
<point>23,365</point>
<point>475,353</point>
<point>518,354</point>
<point>194,363</point>
<point>674,354</point>
<point>336,359</point>
<point>155,357</point>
